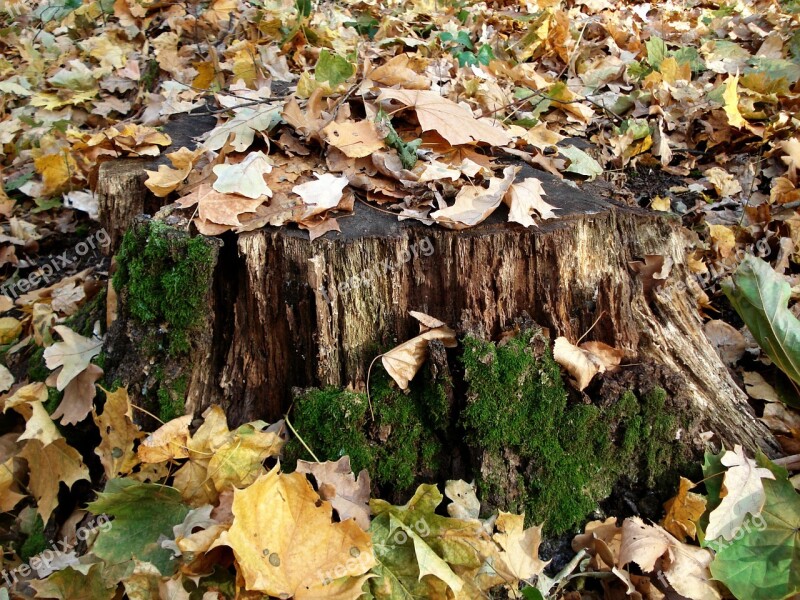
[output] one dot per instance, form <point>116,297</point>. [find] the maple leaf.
<point>50,465</point>
<point>117,434</point>
<point>520,556</point>
<point>323,194</point>
<point>85,582</point>
<point>525,198</point>
<point>78,397</point>
<point>683,511</point>
<point>168,442</point>
<point>685,567</point>
<point>286,544</point>
<point>450,120</point>
<point>217,207</point>
<point>474,203</point>
<point>9,497</point>
<point>143,513</point>
<point>355,139</point>
<point>245,178</point>
<point>403,361</point>
<point>73,354</point>
<point>743,494</point>
<point>337,484</point>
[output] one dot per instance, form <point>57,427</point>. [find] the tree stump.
<point>289,312</point>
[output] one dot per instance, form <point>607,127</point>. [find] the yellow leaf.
<point>660,203</point>
<point>683,511</point>
<point>519,558</point>
<point>56,170</point>
<point>731,98</point>
<point>167,180</point>
<point>117,434</point>
<point>10,328</point>
<point>8,497</point>
<point>286,544</point>
<point>168,442</point>
<point>724,239</point>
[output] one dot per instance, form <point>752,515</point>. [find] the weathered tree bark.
<point>294,313</point>
<point>121,195</point>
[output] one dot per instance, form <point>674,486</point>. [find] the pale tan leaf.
<point>245,178</point>
<point>524,199</point>
<point>338,485</point>
<point>450,120</point>
<point>474,203</point>
<point>167,442</point>
<point>581,364</point>
<point>73,354</point>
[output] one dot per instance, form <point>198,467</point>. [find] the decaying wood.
<point>121,195</point>
<point>290,312</point>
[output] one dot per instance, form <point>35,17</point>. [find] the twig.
<point>297,435</point>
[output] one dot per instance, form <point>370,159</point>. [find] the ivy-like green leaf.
<point>333,68</point>
<point>142,513</point>
<point>762,562</point>
<point>761,296</point>
<point>580,162</point>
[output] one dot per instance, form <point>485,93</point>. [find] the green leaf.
<point>303,8</point>
<point>82,582</point>
<point>656,51</point>
<point>691,56</point>
<point>463,39</point>
<point>531,593</point>
<point>466,58</point>
<point>142,512</point>
<point>333,68</point>
<point>775,69</point>
<point>485,54</point>
<point>56,10</point>
<point>760,296</point>
<point>580,162</point>
<point>762,562</point>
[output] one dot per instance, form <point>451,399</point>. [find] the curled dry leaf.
<point>582,364</point>
<point>321,195</point>
<point>403,362</point>
<point>653,549</point>
<point>167,179</point>
<point>474,203</point>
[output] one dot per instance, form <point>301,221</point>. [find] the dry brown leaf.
<point>403,71</point>
<point>474,203</point>
<point>450,120</point>
<point>117,434</point>
<point>355,139</point>
<point>652,272</point>
<point>286,544</point>
<point>653,549</point>
<point>581,364</point>
<point>403,362</point>
<point>525,198</point>
<point>218,207</point>
<point>608,355</point>
<point>167,442</point>
<point>726,340</point>
<point>337,484</point>
<point>166,179</point>
<point>519,558</point>
<point>78,396</point>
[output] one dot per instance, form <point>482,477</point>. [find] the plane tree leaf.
<point>143,513</point>
<point>760,296</point>
<point>762,562</point>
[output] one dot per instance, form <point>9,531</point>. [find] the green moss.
<point>53,400</point>
<point>569,456</point>
<point>35,542</point>
<point>406,435</point>
<point>166,275</point>
<point>172,398</point>
<point>37,369</point>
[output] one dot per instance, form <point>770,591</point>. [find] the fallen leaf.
<point>580,162</point>
<point>355,139</point>
<point>464,502</point>
<point>525,198</point>
<point>582,364</point>
<point>403,361</point>
<point>73,354</point>
<point>474,203</point>
<point>117,434</point>
<point>337,484</point>
<point>168,442</point>
<point>78,396</point>
<point>726,340</point>
<point>285,542</point>
<point>742,494</point>
<point>519,558</point>
<point>245,178</point>
<point>450,120</point>
<point>218,207</point>
<point>166,180</point>
<point>683,511</point>
<point>321,195</point>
